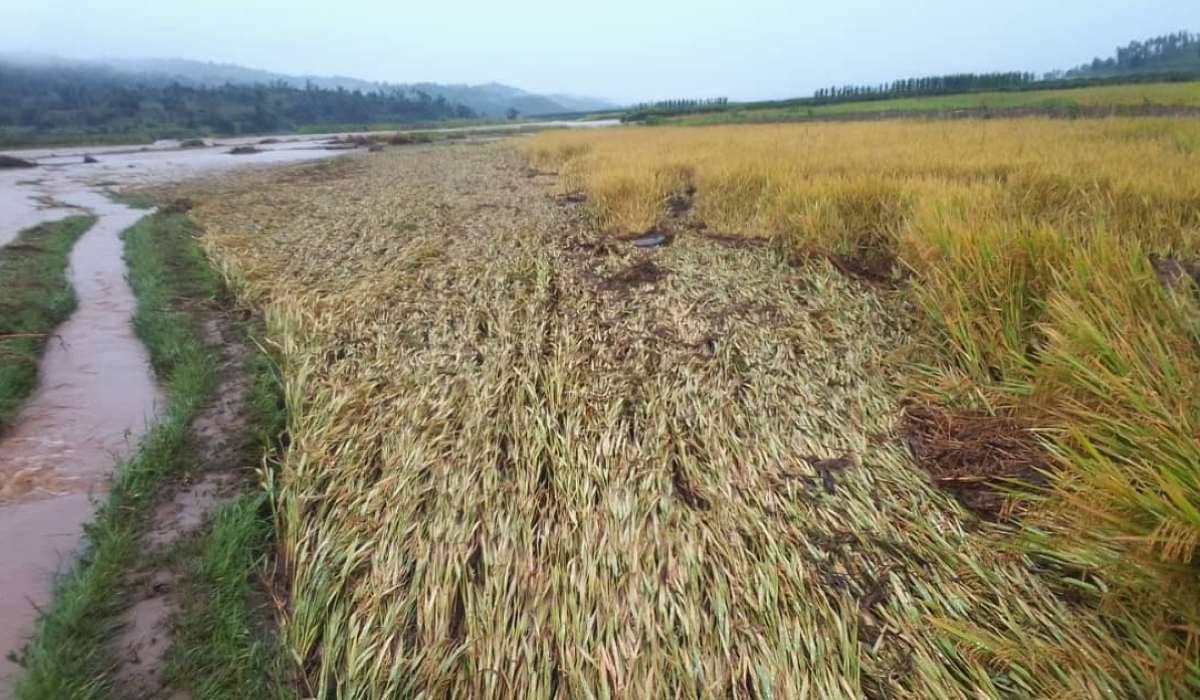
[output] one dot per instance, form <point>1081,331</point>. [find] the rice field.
<point>528,460</point>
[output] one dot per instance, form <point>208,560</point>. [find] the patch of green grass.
<point>72,655</point>
<point>404,226</point>
<point>35,297</point>
<point>219,651</point>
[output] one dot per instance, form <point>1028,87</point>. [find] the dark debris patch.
<point>978,457</point>
<point>644,272</point>
<point>1172,272</point>
<point>14,162</point>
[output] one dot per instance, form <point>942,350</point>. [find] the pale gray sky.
<point>620,49</point>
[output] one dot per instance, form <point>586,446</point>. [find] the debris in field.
<point>880,269</point>
<point>680,203</point>
<point>14,162</point>
<point>733,241</point>
<point>88,160</point>
<point>645,272</point>
<point>1172,272</point>
<point>179,205</point>
<point>244,150</point>
<point>651,240</point>
<point>375,148</point>
<point>975,456</point>
<point>826,468</point>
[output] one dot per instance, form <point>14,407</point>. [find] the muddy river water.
<point>96,394</point>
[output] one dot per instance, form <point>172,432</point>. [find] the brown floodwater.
<point>96,395</point>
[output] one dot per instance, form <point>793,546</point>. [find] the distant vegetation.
<point>46,104</point>
<point>1171,52</point>
<point>1108,100</point>
<point>1168,58</point>
<point>682,104</point>
<point>491,100</point>
<point>932,85</point>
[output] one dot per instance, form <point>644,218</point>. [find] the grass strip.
<point>224,644</point>
<point>35,296</point>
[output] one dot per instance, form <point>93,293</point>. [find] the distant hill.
<point>48,101</point>
<point>488,100</point>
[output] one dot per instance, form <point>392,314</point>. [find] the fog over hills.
<point>488,100</point>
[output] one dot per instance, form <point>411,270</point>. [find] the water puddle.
<point>96,395</point>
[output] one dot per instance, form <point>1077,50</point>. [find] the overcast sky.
<point>626,50</point>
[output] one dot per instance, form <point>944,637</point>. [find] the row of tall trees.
<point>1178,52</point>
<point>681,105</point>
<point>65,100</point>
<point>931,85</point>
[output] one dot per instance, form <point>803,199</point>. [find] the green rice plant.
<point>1122,376</point>
<point>983,288</point>
<point>858,220</point>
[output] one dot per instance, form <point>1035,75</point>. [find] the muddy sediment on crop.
<point>982,459</point>
<point>566,490</point>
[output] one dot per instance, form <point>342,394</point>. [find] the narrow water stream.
<point>95,399</point>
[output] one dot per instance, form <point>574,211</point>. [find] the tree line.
<point>931,85</point>
<point>41,101</point>
<point>688,105</point>
<point>1181,47</point>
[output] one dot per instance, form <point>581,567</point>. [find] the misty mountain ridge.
<point>487,100</point>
